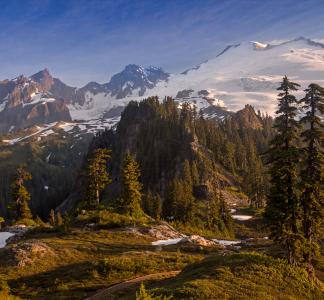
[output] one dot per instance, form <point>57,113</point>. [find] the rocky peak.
<point>44,79</point>
<point>248,118</point>
<point>134,77</point>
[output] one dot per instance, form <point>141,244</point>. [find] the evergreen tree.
<point>152,204</point>
<point>187,172</point>
<point>312,171</point>
<point>20,197</point>
<point>2,220</point>
<point>224,212</point>
<point>97,177</point>
<point>52,220</point>
<point>213,217</point>
<point>195,173</point>
<point>59,220</point>
<point>142,294</point>
<point>283,157</point>
<point>131,187</point>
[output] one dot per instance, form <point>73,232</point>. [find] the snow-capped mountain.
<point>25,102</point>
<point>245,73</point>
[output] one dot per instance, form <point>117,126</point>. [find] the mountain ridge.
<point>244,73</point>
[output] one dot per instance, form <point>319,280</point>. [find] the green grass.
<point>240,276</point>
<point>105,219</point>
<point>190,229</point>
<point>83,262</point>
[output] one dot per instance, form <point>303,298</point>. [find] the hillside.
<point>162,138</point>
<point>197,237</point>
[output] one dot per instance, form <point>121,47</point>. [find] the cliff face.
<point>28,101</point>
<point>248,118</point>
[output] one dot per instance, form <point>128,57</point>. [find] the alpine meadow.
<point>121,180</point>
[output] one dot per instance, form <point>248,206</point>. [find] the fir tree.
<point>20,196</point>
<point>142,294</point>
<point>195,173</point>
<point>97,177</point>
<point>312,171</point>
<point>283,157</point>
<point>131,187</point>
<point>213,218</point>
<point>224,212</point>
<point>52,220</point>
<point>2,220</point>
<point>59,220</point>
<point>152,204</point>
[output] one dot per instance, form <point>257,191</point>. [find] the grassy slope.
<point>240,276</point>
<point>85,261</point>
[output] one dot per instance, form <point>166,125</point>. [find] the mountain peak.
<point>248,117</point>
<point>135,77</point>
<point>43,78</point>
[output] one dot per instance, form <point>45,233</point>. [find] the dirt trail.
<point>105,293</point>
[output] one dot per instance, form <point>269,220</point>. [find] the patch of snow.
<point>67,126</point>
<point>167,242</point>
<point>47,132</point>
<point>241,217</point>
<point>48,157</point>
<point>258,45</point>
<point>3,105</point>
<point>3,238</point>
<point>227,242</point>
<point>41,130</point>
<point>38,98</point>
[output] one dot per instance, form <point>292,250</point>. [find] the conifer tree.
<point>2,220</point>
<point>131,187</point>
<point>97,177</point>
<point>213,218</point>
<point>52,220</point>
<point>224,212</point>
<point>187,172</point>
<point>152,204</point>
<point>20,196</point>
<point>195,173</point>
<point>283,157</point>
<point>312,171</point>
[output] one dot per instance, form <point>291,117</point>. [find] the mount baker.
<point>245,73</point>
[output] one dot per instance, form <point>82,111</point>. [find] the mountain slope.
<point>246,73</point>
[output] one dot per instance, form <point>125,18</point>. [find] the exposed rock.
<point>184,93</point>
<point>132,78</point>
<point>159,232</point>
<point>248,118</point>
<point>25,102</point>
<point>198,240</point>
<point>25,253</point>
<point>203,93</point>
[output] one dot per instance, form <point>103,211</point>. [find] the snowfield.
<point>3,238</point>
<point>247,73</point>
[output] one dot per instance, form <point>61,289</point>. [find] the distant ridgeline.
<point>185,159</point>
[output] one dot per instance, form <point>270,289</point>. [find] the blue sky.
<point>84,40</point>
